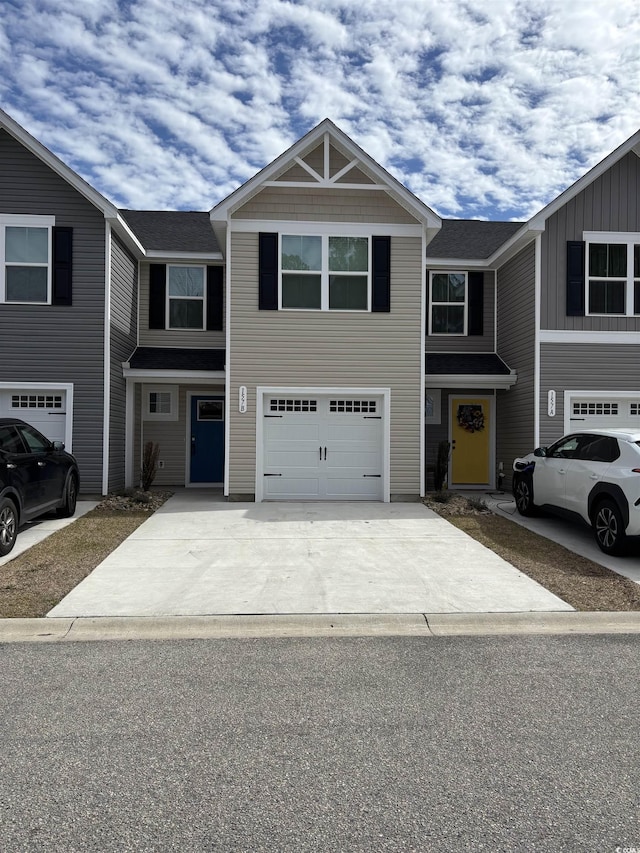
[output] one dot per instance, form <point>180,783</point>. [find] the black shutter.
<point>381,253</point>
<point>62,265</point>
<point>215,277</point>
<point>157,295</point>
<point>575,278</point>
<point>268,272</point>
<point>476,303</point>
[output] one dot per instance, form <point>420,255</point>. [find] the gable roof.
<point>167,231</point>
<point>631,144</point>
<point>109,210</point>
<point>221,212</point>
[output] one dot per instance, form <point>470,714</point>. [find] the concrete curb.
<point>55,630</point>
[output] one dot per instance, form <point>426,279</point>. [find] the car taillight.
<point>635,470</point>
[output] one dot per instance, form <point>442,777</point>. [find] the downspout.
<point>536,345</point>
<point>227,360</point>
<point>423,372</point>
<point>107,362</point>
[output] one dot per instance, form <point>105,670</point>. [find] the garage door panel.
<point>604,412</point>
<point>334,452</point>
<point>44,410</point>
<point>292,488</point>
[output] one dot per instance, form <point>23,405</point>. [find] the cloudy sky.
<point>483,108</point>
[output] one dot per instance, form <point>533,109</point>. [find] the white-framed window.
<point>186,296</point>
<point>448,303</point>
<point>613,273</point>
<point>433,406</point>
<point>323,272</point>
<point>161,403</point>
<point>25,259</point>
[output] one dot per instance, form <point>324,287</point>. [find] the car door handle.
<point>562,470</point>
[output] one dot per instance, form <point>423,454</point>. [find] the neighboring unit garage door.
<point>45,410</point>
<point>604,412</point>
<point>323,448</point>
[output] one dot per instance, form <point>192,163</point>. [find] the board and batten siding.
<point>123,334</point>
<point>171,436</point>
<point>610,203</point>
<point>583,367</point>
<point>328,348</point>
<point>188,338</point>
<point>515,410</point>
<point>314,204</point>
<point>55,343</point>
<point>469,343</point>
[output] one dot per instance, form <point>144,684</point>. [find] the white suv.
<point>593,475</point>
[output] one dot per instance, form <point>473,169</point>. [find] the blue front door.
<point>207,439</point>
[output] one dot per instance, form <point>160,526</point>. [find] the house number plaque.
<point>551,404</point>
<point>242,399</point>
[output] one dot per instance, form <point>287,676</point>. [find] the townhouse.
<point>318,333</point>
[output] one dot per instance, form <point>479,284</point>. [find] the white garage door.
<point>45,410</point>
<point>323,448</point>
<point>604,413</point>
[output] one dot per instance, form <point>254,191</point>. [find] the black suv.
<point>37,476</point>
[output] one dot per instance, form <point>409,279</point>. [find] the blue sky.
<point>483,108</point>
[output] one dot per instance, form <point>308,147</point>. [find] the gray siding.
<point>307,348</point>
<point>314,204</point>
<point>470,343</point>
<point>583,367</point>
<point>610,203</point>
<point>56,343</point>
<point>171,337</point>
<point>516,346</point>
<point>123,332</point>
<point>170,435</point>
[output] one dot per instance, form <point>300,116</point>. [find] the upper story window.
<point>325,273</point>
<point>186,295</point>
<point>613,273</point>
<point>448,303</point>
<point>25,259</point>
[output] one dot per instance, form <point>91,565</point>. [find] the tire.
<point>523,494</point>
<point>68,508</point>
<point>608,528</point>
<point>8,526</point>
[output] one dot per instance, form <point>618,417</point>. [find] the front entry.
<point>207,440</point>
<point>470,431</point>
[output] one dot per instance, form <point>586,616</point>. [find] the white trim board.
<point>565,336</point>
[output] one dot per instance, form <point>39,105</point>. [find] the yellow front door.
<point>470,441</point>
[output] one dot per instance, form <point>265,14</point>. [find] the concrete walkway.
<point>199,555</point>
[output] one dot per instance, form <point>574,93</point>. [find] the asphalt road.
<point>393,744</point>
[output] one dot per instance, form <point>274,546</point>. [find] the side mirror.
<point>540,451</point>
<point>57,445</point>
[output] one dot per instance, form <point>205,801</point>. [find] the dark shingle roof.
<point>470,238</point>
<point>470,364</point>
<point>172,230</point>
<point>174,358</point>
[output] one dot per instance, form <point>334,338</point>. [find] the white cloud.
<point>481,111</point>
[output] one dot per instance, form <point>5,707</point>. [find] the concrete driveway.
<point>200,555</point>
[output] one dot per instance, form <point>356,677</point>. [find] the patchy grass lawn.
<point>35,581</point>
<point>580,582</point>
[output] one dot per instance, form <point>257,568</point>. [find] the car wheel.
<point>608,527</point>
<point>8,526</point>
<point>523,493</point>
<point>70,499</point>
